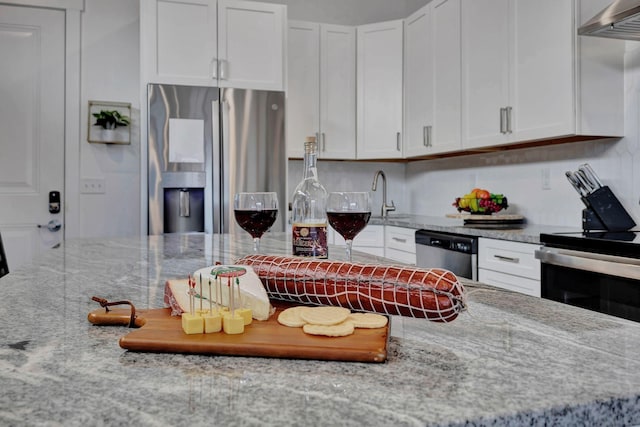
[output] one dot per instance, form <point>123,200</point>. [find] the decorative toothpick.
<point>231,304</point>
<point>200,292</point>
<point>210,298</point>
<point>192,285</point>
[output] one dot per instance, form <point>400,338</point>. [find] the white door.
<point>32,48</point>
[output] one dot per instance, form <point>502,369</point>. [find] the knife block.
<point>605,212</point>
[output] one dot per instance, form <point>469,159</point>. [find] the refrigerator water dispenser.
<point>183,210</point>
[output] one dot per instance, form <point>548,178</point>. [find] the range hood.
<point>619,20</point>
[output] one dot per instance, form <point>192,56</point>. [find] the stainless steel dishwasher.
<point>454,252</point>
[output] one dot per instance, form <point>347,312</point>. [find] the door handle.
<point>53,225</point>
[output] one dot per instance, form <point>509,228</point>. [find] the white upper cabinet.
<point>432,88</point>
<point>303,84</point>
<point>527,76</point>
<point>379,89</point>
<point>251,44</point>
<point>337,92</point>
<point>485,47</point>
<point>419,81</point>
<point>226,43</point>
<point>322,89</point>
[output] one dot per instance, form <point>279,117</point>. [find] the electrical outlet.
<point>546,178</point>
<point>92,186</point>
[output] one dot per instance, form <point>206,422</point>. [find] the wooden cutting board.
<point>161,332</point>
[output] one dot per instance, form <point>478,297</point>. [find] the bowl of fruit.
<point>481,202</point>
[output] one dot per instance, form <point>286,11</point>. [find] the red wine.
<point>256,222</point>
<point>348,224</point>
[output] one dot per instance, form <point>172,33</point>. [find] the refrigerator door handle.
<point>227,183</point>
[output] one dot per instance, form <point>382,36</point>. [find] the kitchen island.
<point>510,359</point>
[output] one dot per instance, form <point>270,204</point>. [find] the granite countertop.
<point>510,359</point>
<point>527,233</point>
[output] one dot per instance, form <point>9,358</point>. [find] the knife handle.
<point>115,317</point>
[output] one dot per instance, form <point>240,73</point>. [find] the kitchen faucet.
<point>385,208</point>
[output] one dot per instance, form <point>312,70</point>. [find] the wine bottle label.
<point>310,240</point>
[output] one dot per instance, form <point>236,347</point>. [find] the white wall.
<point>110,72</point>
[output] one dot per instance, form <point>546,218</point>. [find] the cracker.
<point>339,330</point>
<point>368,320</point>
<point>326,315</point>
<point>291,317</point>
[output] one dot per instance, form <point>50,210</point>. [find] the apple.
<point>483,194</point>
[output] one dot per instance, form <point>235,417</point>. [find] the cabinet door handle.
<point>503,120</point>
<point>398,141</point>
<point>324,142</point>
<point>223,69</point>
<point>214,68</point>
<point>509,109</point>
<point>425,140</point>
<point>507,258</point>
<point>429,128</point>
<point>398,239</point>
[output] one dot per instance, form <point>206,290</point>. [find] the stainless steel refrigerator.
<point>206,144</point>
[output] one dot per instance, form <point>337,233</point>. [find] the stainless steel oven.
<point>599,271</point>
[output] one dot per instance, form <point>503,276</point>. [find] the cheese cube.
<point>232,323</point>
<point>192,323</point>
<point>245,313</point>
<point>212,322</point>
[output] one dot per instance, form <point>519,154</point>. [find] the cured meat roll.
<point>435,294</point>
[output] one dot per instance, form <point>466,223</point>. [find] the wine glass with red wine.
<point>348,213</point>
<point>255,213</point>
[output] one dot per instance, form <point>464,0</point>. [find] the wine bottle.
<point>309,213</point>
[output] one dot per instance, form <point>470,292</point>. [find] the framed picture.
<point>109,122</point>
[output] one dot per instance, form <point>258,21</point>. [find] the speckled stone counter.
<point>509,360</point>
<point>527,233</point>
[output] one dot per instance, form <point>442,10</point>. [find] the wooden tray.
<point>161,332</point>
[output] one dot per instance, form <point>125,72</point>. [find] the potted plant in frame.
<point>110,119</point>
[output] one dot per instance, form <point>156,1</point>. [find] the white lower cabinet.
<point>400,244</point>
<point>509,265</point>
<point>395,243</point>
<point>370,240</point>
